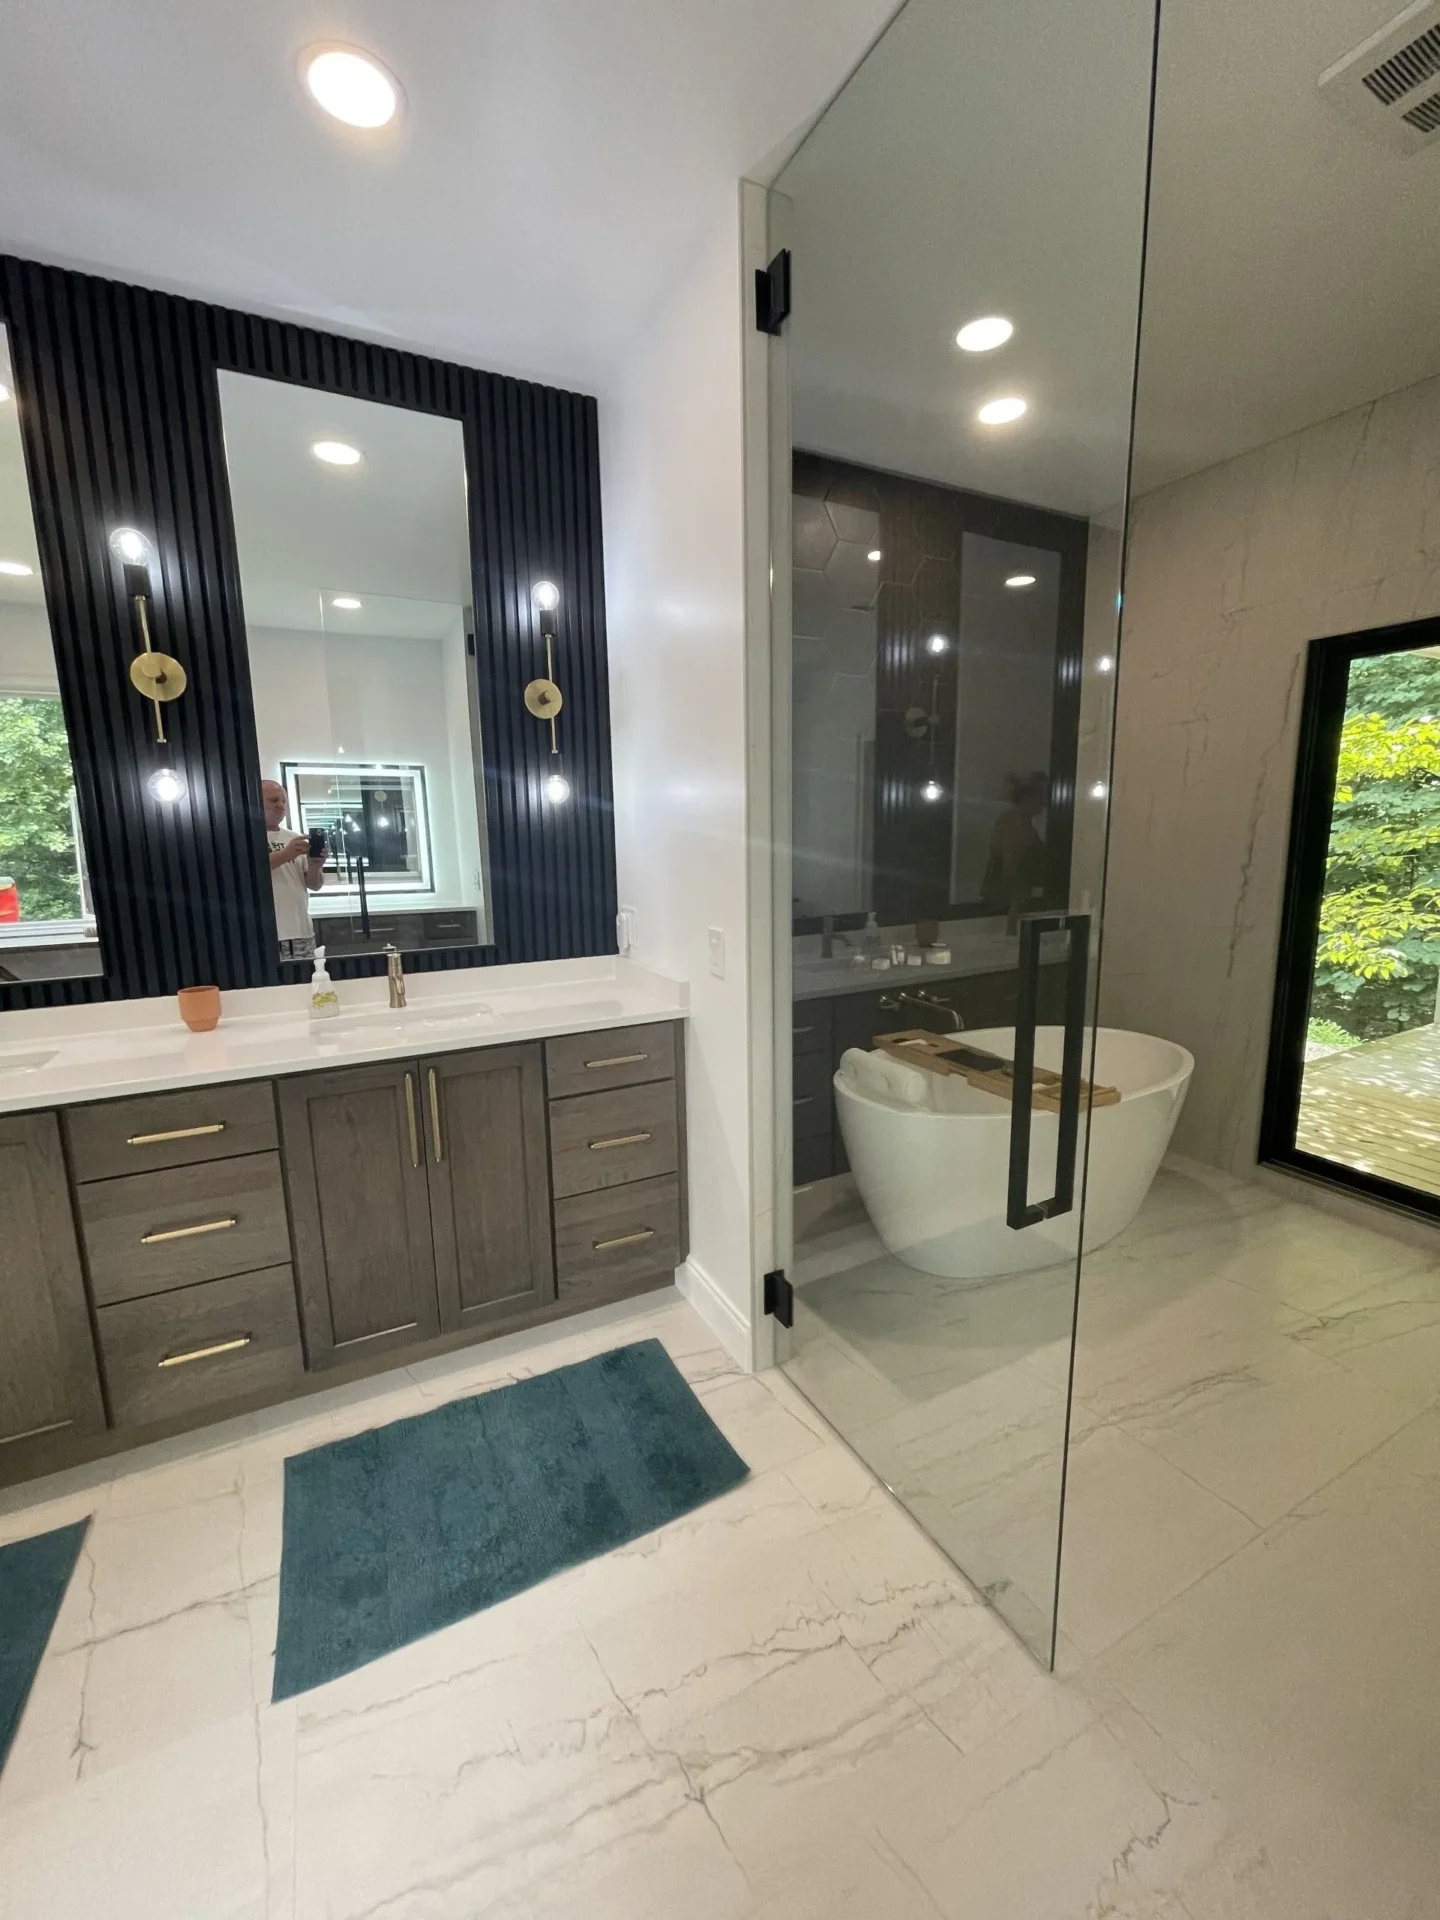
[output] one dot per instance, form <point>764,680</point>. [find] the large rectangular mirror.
<point>352,528</point>
<point>47,922</point>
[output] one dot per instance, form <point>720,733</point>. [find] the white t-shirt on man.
<point>292,896</point>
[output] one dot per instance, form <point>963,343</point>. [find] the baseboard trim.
<point>719,1313</point>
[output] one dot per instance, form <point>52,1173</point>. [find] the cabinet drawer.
<point>605,1242</point>
<point>609,1139</point>
<point>185,1351</point>
<point>170,1129</point>
<point>619,1057</point>
<point>813,1026</point>
<point>154,1231</point>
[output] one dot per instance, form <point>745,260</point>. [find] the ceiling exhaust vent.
<point>1390,83</point>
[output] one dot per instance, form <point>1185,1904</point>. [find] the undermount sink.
<point>26,1062</point>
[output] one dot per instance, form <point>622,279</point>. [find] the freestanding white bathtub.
<point>933,1177</point>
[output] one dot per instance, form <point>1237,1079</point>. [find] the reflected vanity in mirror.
<point>47,920</point>
<point>352,529</point>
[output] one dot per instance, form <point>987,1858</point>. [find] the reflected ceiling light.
<point>4,393</point>
<point>130,545</point>
<point>351,86</point>
<point>382,819</point>
<point>166,786</point>
<point>874,556</point>
<point>931,790</point>
<point>557,789</point>
<point>346,602</point>
<point>1020,580</point>
<point>16,567</point>
<point>546,595</point>
<point>1099,790</point>
<point>985,334</point>
<point>999,413</point>
<point>937,643</point>
<point>1104,664</point>
<point>336,453</point>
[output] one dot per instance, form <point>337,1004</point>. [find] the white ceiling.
<point>390,532</point>
<point>556,164</point>
<point>1294,262</point>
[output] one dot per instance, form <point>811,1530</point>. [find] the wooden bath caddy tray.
<point>952,1053</point>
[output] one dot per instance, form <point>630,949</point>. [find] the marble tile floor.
<point>787,1706</point>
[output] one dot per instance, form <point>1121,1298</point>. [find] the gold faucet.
<point>395,975</point>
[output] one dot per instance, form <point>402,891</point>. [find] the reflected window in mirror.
<point>352,529</point>
<point>47,921</point>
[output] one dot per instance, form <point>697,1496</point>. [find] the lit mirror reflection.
<point>47,920</point>
<point>353,536</point>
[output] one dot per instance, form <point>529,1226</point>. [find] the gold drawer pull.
<point>188,1233</point>
<point>232,1345</point>
<point>174,1133</point>
<point>619,1060</point>
<point>625,1240</point>
<point>620,1140</point>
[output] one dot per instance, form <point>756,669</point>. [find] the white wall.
<point>1231,573</point>
<point>672,450</point>
<point>27,653</point>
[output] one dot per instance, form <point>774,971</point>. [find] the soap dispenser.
<point>324,1001</point>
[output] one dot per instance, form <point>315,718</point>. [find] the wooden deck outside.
<point>1376,1107</point>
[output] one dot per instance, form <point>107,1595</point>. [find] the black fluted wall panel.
<point>121,423</point>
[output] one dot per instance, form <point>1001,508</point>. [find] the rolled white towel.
<point>879,1076</point>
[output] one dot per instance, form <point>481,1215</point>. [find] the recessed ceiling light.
<point>351,86</point>
<point>346,602</point>
<point>16,567</point>
<point>984,335</point>
<point>1020,580</point>
<point>999,413</point>
<point>874,556</point>
<point>336,453</point>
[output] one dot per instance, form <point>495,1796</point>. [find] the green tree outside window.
<point>37,832</point>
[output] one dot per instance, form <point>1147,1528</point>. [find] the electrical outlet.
<point>717,952</point>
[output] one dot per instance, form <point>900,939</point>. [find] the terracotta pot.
<point>199,1008</point>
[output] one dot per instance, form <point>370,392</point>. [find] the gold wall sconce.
<point>157,677</point>
<point>543,697</point>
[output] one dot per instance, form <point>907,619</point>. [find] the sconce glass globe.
<point>931,790</point>
<point>557,789</point>
<point>166,785</point>
<point>130,545</point>
<point>546,595</point>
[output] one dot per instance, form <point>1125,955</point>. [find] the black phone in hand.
<point>317,843</point>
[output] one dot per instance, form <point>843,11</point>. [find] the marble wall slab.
<point>1232,572</point>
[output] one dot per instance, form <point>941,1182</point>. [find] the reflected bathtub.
<point>933,1177</point>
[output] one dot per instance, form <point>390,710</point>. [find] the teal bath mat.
<point>33,1577</point>
<point>395,1533</point>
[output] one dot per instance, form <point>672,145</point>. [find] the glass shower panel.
<point>949,681</point>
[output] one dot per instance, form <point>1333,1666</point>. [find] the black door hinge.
<point>772,293</point>
<point>780,1298</point>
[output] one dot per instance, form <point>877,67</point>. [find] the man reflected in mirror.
<point>297,869</point>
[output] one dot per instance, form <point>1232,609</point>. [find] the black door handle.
<point>1020,1210</point>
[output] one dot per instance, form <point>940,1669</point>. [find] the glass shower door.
<point>966,225</point>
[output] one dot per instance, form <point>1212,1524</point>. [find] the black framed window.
<point>1353,1089</point>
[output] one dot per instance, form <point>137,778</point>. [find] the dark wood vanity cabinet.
<point>360,1209</point>
<point>167,1258</point>
<point>49,1381</point>
<point>420,1197</point>
<point>489,1185</point>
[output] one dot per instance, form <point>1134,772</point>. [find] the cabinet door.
<point>49,1380</point>
<point>489,1183</point>
<point>355,1169</point>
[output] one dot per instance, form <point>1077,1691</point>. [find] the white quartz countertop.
<point>819,979</point>
<point>60,1056</point>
